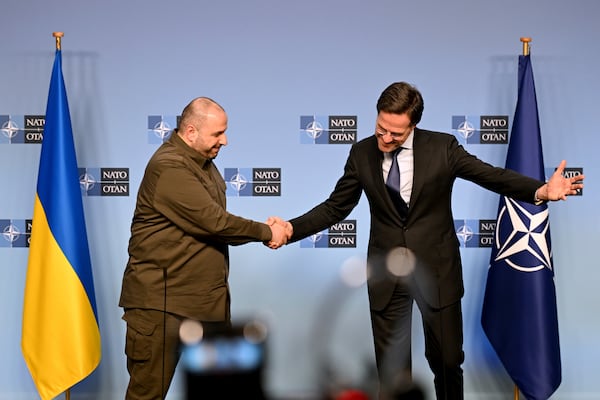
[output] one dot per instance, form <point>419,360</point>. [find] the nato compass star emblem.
<point>466,129</point>
<point>238,182</point>
<point>315,238</point>
<point>9,129</point>
<point>464,233</point>
<point>11,233</point>
<point>87,182</point>
<point>314,129</point>
<point>161,129</point>
<point>523,237</point>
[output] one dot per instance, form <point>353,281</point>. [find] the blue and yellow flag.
<point>60,338</point>
<point>519,313</point>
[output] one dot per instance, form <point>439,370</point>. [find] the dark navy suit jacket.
<point>428,232</point>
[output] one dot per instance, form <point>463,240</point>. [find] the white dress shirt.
<point>406,166</point>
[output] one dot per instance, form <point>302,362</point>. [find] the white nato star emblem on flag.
<point>527,239</point>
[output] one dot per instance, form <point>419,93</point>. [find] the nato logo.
<point>484,129</point>
<point>340,235</point>
<point>104,181</point>
<point>28,129</point>
<point>569,172</point>
<point>475,232</point>
<point>160,128</point>
<point>332,129</point>
<point>253,181</point>
<point>15,232</point>
<point>523,236</point>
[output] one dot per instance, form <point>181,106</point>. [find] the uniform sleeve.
<point>189,202</point>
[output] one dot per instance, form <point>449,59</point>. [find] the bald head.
<point>202,126</point>
<point>198,110</point>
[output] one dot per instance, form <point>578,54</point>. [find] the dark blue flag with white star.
<point>519,313</point>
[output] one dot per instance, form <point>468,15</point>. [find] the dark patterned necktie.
<point>393,185</point>
<point>393,179</point>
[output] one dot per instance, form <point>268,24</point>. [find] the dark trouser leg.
<point>392,337</point>
<point>151,347</point>
<point>444,348</point>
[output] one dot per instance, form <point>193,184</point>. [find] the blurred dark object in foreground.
<point>224,363</point>
<point>412,392</point>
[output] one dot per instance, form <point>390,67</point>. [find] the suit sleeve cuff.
<point>536,199</point>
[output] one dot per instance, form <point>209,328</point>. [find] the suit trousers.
<point>443,333</point>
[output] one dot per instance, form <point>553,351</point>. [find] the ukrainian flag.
<point>61,337</point>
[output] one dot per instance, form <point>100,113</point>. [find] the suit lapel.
<point>375,160</point>
<point>422,158</point>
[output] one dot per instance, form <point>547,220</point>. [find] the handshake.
<point>281,232</point>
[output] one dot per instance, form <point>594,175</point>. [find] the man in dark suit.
<point>413,253</point>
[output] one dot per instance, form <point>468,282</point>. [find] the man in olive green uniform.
<point>178,263</point>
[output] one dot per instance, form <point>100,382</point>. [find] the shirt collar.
<point>408,143</point>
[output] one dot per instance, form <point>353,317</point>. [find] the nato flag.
<point>519,313</point>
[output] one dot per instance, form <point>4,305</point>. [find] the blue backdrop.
<point>268,63</point>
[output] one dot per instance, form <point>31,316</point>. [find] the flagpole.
<point>58,36</point>
<point>532,361</point>
<point>525,41</point>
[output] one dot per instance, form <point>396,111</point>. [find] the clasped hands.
<point>281,232</point>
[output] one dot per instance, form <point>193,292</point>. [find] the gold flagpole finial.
<point>58,36</point>
<point>525,41</point>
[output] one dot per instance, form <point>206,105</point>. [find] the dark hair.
<point>402,98</point>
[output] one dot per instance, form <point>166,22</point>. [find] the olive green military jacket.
<point>178,250</point>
